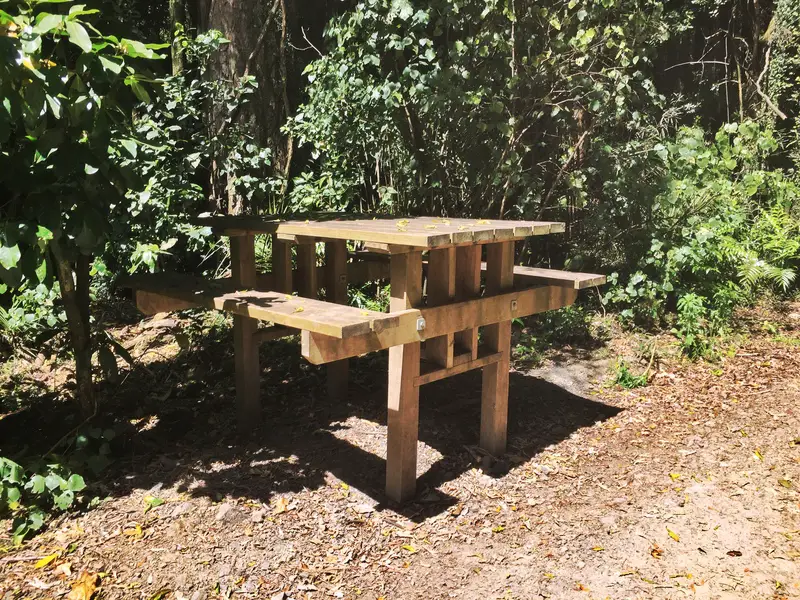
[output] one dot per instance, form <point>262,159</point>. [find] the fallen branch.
<point>766,98</point>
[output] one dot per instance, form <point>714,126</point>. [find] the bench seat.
<point>306,314</point>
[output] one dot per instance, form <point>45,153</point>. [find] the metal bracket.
<point>513,306</point>
<point>420,323</point>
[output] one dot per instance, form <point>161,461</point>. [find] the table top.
<point>424,232</point>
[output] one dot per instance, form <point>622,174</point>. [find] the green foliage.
<point>461,107</point>
<point>724,229</point>
<point>30,495</point>
<point>624,377</point>
<point>33,315</point>
<point>540,333</point>
<point>67,95</point>
<point>693,329</point>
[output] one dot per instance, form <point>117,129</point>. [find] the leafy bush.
<point>723,230</point>
<point>30,495</point>
<point>624,377</point>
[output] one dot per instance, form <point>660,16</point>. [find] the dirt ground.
<point>685,488</point>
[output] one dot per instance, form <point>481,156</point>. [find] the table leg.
<point>494,396</point>
<point>282,265</point>
<point>336,291</point>
<point>245,346</point>
<point>307,270</point>
<point>403,416</point>
<point>468,285</point>
<point>441,290</point>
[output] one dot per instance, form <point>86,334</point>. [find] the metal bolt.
<point>343,278</point>
<point>513,306</point>
<point>420,323</point>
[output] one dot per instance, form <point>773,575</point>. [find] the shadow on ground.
<point>177,424</point>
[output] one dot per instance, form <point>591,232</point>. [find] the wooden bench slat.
<point>291,311</point>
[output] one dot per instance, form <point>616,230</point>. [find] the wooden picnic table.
<point>445,318</point>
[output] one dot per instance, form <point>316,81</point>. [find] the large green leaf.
<point>9,256</point>
<point>45,23</point>
<point>79,36</point>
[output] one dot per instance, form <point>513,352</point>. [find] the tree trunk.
<point>177,18</point>
<point>73,279</point>
<point>783,84</point>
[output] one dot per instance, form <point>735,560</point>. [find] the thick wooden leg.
<point>336,291</point>
<point>282,265</point>
<point>468,285</point>
<point>403,418</point>
<point>494,396</point>
<point>245,346</point>
<point>441,290</point>
<point>307,270</point>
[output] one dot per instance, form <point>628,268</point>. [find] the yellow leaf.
<point>430,226</point>
<point>673,535</point>
<point>43,562</point>
<point>758,454</point>
<point>581,588</point>
<point>675,476</point>
<point>549,575</point>
<point>135,532</point>
<point>598,548</point>
<point>498,529</point>
<point>281,505</point>
<point>626,573</point>
<point>365,313</point>
<point>483,222</point>
<point>410,548</point>
<point>784,482</point>
<point>84,588</point>
<point>344,486</point>
<point>299,309</point>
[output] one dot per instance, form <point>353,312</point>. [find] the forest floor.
<point>685,488</point>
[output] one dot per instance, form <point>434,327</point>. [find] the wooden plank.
<point>441,290</point>
<point>282,309</point>
<point>281,265</point>
<point>578,281</point>
<point>494,394</point>
<point>358,272</point>
<point>274,332</point>
<point>307,270</point>
<point>238,225</point>
<point>245,346</point>
<point>150,303</point>
<point>320,349</point>
<point>437,374</point>
<point>403,400</point>
<point>336,272</point>
<point>468,285</point>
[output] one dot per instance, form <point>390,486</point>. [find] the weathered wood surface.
<point>430,373</point>
<point>418,232</point>
<point>497,339</point>
<point>335,281</point>
<point>248,375</point>
<point>320,349</point>
<point>292,311</point>
<point>403,401</point>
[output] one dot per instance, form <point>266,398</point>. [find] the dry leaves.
<point>85,587</point>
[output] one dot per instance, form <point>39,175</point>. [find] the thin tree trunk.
<point>74,283</point>
<point>177,17</point>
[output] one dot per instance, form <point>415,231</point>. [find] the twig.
<point>766,98</point>
<point>71,432</point>
<point>561,171</point>
<point>12,559</point>
<point>650,364</point>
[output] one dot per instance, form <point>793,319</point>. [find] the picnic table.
<point>444,314</point>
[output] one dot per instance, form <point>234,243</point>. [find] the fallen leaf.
<point>598,548</point>
<point>498,529</point>
<point>656,551</point>
<point>581,588</point>
<point>43,562</point>
<point>733,553</point>
<point>673,535</point>
<point>675,476</point>
<point>160,594</point>
<point>299,309</point>
<point>150,502</point>
<point>410,548</point>
<point>85,587</point>
<point>135,532</point>
<point>281,505</point>
<point>64,569</point>
<point>758,455</point>
<point>784,482</point>
<point>430,226</point>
